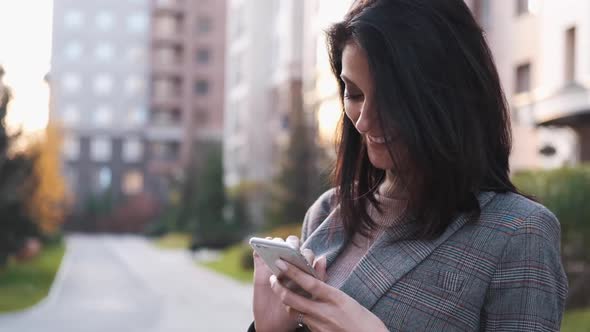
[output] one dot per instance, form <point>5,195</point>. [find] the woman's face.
<point>359,105</point>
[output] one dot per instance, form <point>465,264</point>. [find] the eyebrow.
<point>348,81</point>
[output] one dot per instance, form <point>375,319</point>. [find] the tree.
<point>205,205</point>
<point>16,183</point>
<point>48,202</point>
<point>300,179</point>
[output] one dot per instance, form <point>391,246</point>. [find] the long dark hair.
<point>436,86</point>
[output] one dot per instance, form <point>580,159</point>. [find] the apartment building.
<point>138,87</point>
<point>99,75</point>
<point>543,60</point>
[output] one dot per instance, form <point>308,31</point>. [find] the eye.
<point>353,96</point>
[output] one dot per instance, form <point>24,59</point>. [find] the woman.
<point>424,230</point>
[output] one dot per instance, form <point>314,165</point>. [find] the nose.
<point>364,119</point>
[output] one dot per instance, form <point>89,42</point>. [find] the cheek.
<point>352,112</point>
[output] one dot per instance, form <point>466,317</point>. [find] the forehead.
<point>354,63</point>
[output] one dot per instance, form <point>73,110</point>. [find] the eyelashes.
<point>353,96</point>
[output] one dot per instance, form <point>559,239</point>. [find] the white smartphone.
<point>270,251</point>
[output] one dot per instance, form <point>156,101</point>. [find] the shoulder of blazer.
<point>318,212</point>
<point>512,211</point>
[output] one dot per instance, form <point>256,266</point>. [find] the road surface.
<point>125,284</point>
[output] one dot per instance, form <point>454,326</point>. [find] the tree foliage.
<point>48,202</point>
<point>302,175</point>
<point>16,185</point>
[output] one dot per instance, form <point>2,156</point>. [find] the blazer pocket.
<point>445,280</point>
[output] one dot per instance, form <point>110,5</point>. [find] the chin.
<point>381,162</point>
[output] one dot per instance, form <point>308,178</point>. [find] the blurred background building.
<point>142,86</point>
<point>541,53</point>
<point>138,87</point>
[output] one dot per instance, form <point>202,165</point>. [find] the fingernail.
<point>272,280</point>
<point>281,265</point>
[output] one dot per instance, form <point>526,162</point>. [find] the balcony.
<point>165,129</point>
<point>565,107</point>
<point>169,6</point>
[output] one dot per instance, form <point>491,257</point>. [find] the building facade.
<point>99,74</point>
<point>187,81</point>
<point>137,86</point>
<point>541,52</point>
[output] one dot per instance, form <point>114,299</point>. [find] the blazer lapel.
<point>386,263</point>
<point>328,239</point>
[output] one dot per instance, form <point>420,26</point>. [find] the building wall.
<point>247,156</point>
<point>187,56</point>
<point>539,38</point>
<point>98,89</point>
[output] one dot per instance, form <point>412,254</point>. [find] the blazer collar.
<point>389,259</point>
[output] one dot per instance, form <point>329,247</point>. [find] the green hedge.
<point>566,192</point>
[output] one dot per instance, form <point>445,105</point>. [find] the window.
<point>104,52</point>
<point>238,21</point>
<point>100,149</point>
<point>132,182</point>
<point>104,21</point>
<point>137,116</point>
<point>203,55</point>
<point>522,7</point>
<point>201,87</point>
<point>136,55</point>
<point>165,150</point>
<point>103,116</point>
<point>237,69</point>
<point>132,150</point>
<point>167,87</point>
<point>71,175</point>
<point>523,78</point>
<point>570,55</point>
<point>204,24</point>
<point>168,55</point>
<point>103,84</point>
<point>71,148</point>
<point>167,25</point>
<point>71,82</point>
<point>71,115</point>
<point>102,179</point>
<point>137,23</point>
<point>73,19</point>
<point>73,50</point>
<point>134,85</point>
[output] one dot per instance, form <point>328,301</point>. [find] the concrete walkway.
<point>124,283</point>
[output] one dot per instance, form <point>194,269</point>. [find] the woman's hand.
<point>329,310</point>
<point>270,314</point>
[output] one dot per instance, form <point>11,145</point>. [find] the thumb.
<point>320,266</point>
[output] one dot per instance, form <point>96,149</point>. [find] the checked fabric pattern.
<point>501,272</point>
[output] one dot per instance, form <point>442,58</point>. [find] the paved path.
<point>124,284</point>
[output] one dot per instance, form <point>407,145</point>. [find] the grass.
<point>173,241</point>
<point>229,263</point>
<point>24,284</point>
<point>576,321</point>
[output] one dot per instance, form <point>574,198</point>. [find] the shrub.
<point>566,192</point>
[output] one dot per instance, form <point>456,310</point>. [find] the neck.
<point>391,186</point>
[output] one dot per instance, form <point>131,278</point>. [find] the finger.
<point>293,241</point>
<point>309,256</point>
<point>278,239</point>
<point>289,298</point>
<point>317,288</point>
<point>320,266</point>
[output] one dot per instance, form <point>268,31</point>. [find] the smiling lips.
<point>378,140</point>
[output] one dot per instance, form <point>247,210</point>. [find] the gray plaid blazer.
<point>502,272</point>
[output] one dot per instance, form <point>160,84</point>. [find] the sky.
<point>25,53</point>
